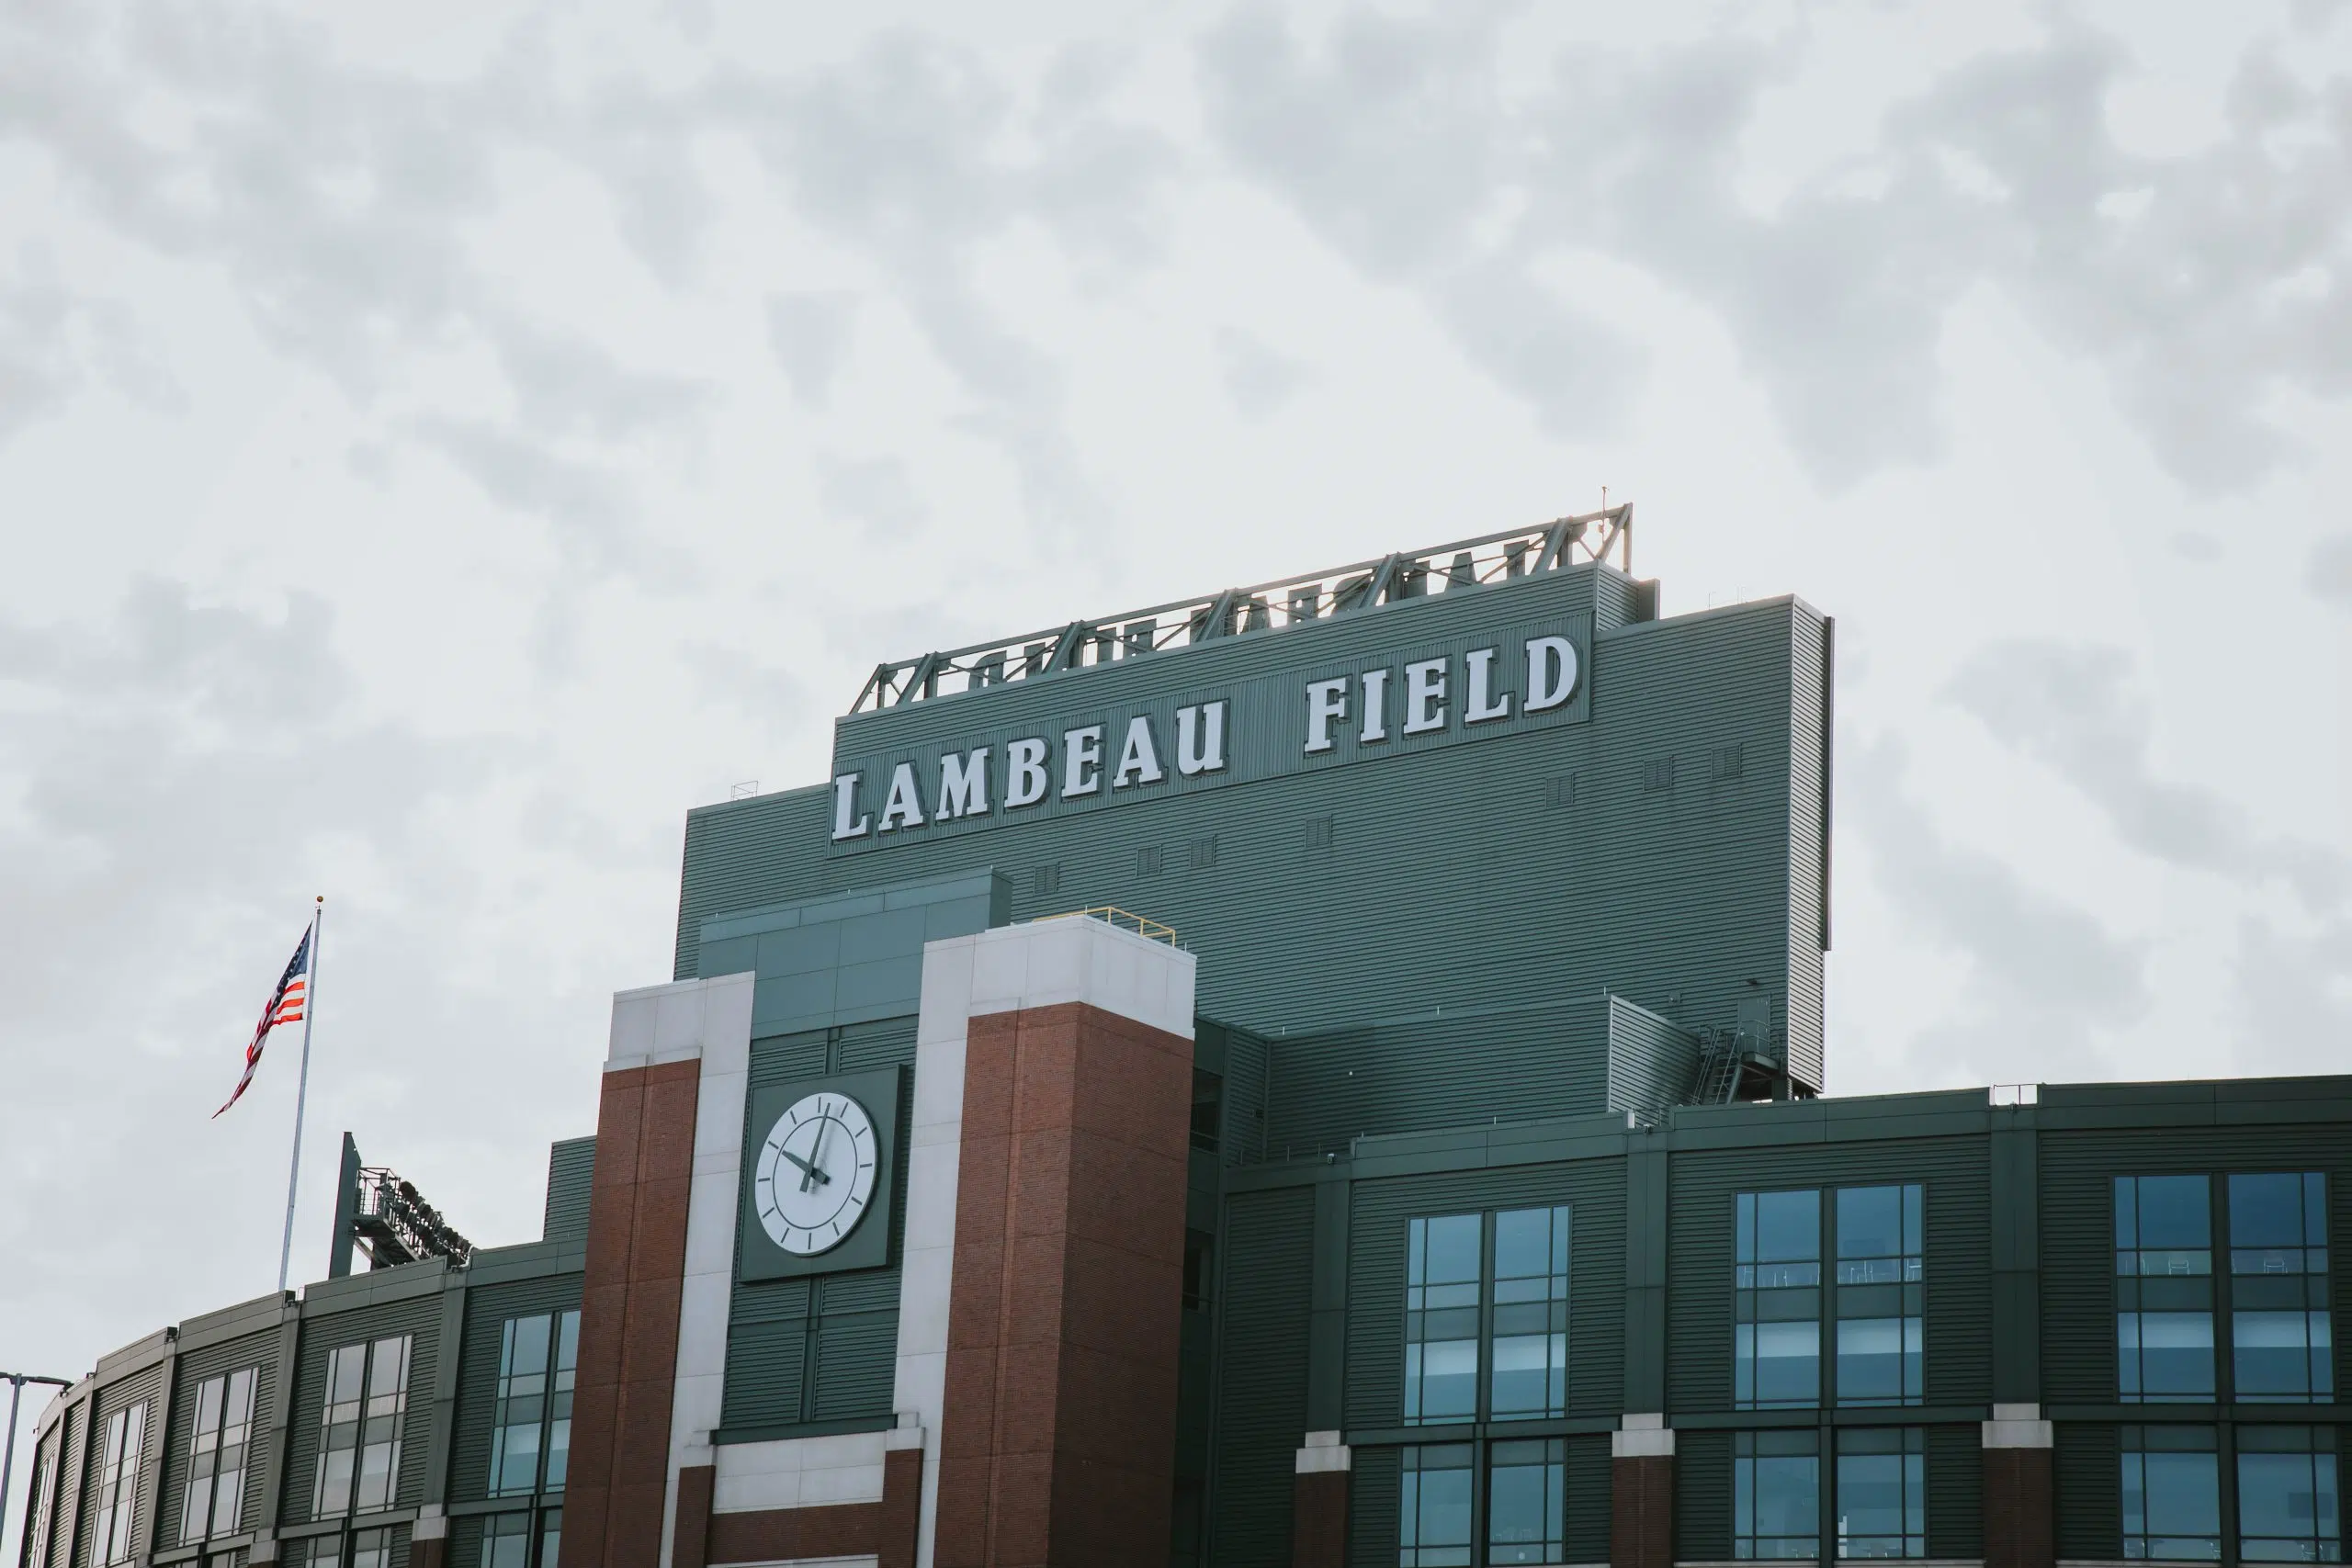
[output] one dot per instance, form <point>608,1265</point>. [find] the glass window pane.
<point>507,1541</point>
<point>1776,1495</point>
<point>2266,1211</point>
<point>2175,1211</point>
<point>1434,1521</point>
<point>1788,1226</point>
<point>1869,1222</point>
<point>1526,1502</point>
<point>2172,1507</point>
<point>550,1529</point>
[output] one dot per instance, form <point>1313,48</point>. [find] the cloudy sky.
<point>439,446</point>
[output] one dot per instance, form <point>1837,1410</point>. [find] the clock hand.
<point>809,1169</point>
<point>813,1171</point>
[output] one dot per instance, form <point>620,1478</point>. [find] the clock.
<point>815,1173</point>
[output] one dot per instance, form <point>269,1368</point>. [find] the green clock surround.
<point>866,1243</point>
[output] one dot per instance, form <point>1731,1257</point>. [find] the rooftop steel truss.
<point>1263,607</point>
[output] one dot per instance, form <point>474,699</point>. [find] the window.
<point>1197,1245</point>
<point>1442,1303</point>
<point>1500,1281</point>
<point>1208,1110</point>
<point>2282,1340</point>
<point>44,1483</point>
<point>1882,1491</point>
<point>1657,775</point>
<point>369,1549</point>
<point>1776,1331</point>
<point>508,1540</point>
<point>1881,1269</point>
<point>359,1436</point>
<point>1527,1501</point>
<point>214,1503</point>
<point>2287,1498</point>
<point>1531,1322</point>
<point>537,1360</point>
<point>1433,1531</point>
<point>2172,1493</point>
<point>1776,1494</point>
<point>1724,763</point>
<point>2163,1288</point>
<point>124,1437</point>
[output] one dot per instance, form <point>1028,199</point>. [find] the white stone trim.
<point>799,1473</point>
<point>1323,1454</point>
<point>1644,1436</point>
<point>2019,1427</point>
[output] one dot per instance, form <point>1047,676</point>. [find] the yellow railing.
<point>1127,920</point>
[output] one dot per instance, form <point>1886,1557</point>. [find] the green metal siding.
<point>1376,1232</point>
<point>1410,1074</point>
<point>1955,1491</point>
<point>487,1309</point>
<point>1958,1241</point>
<point>258,1351</point>
<point>1808,841</point>
<point>2088,1486</point>
<point>418,1316</point>
<point>1703,1497</point>
<point>146,1385</point>
<point>1654,895</point>
<point>571,1169</point>
<point>1651,1062</point>
<point>1264,1305</point>
<point>1589,1478</point>
<point>1375,1491</point>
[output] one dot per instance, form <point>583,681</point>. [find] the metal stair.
<point>1719,1061</point>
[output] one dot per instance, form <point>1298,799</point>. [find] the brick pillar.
<point>901,1519</point>
<point>1318,1503</point>
<point>2020,1518</point>
<point>1641,1493</point>
<point>628,1316</point>
<point>1058,1440</point>
<point>690,1543</point>
<point>428,1542</point>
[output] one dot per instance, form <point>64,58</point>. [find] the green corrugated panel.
<point>781,1058</point>
<point>1376,1229</point>
<point>419,1317</point>
<point>1955,1491</point>
<point>1376,1491</point>
<point>1808,832</point>
<point>885,1043</point>
<point>1549,1059</point>
<point>1703,1497</point>
<point>1242,1140</point>
<point>487,1309</point>
<point>258,1351</point>
<point>1590,1486</point>
<point>2086,1470</point>
<point>1651,1061</point>
<point>1263,1309</point>
<point>1649,895</point>
<point>1956,1172</point>
<point>572,1171</point>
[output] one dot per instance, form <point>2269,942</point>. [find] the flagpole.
<point>302,1089</point>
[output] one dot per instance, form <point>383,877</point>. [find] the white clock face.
<point>816,1173</point>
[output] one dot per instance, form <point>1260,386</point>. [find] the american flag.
<point>284,1007</point>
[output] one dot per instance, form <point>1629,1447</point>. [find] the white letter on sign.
<point>845,802</point>
<point>1326,700</point>
<point>1483,703</point>
<point>1425,696</point>
<point>1138,756</point>
<point>963,784</point>
<point>1200,745</point>
<point>904,806</point>
<point>1551,672</point>
<point>1024,773</point>
<point>1081,761</point>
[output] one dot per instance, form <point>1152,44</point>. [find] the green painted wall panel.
<point>1381,1212</point>
<point>1264,1304</point>
<point>1588,1495</point>
<point>1376,1487</point>
<point>2088,1482</point>
<point>1703,1497</point>
<point>1651,1062</point>
<point>145,1386</point>
<point>1959,1294</point>
<point>487,1309</point>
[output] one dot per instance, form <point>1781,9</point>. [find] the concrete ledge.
<point>1323,1454</point>
<point>2018,1426</point>
<point>1641,1437</point>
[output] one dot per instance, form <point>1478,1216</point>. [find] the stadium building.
<point>1435,1167</point>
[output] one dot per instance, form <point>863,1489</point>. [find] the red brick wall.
<point>628,1317</point>
<point>1057,1441</point>
<point>1641,1512</point>
<point>2020,1525</point>
<point>1318,1519</point>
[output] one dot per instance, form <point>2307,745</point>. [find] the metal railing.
<point>399,1226</point>
<point>1261,608</point>
<point>1126,920</point>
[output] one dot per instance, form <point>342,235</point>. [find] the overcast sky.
<point>441,445</point>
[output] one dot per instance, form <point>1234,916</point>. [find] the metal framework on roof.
<point>1261,608</point>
